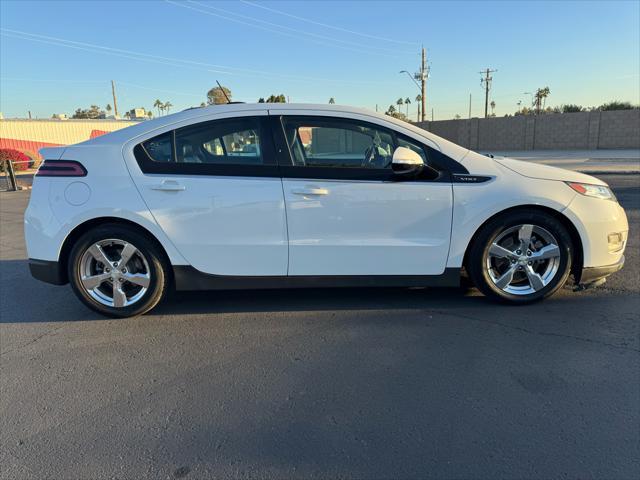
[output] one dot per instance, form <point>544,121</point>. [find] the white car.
<point>244,196</point>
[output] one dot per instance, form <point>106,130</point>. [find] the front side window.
<point>338,143</point>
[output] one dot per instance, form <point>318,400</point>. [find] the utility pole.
<point>469,105</point>
<point>115,101</point>
<point>486,81</point>
<point>423,82</point>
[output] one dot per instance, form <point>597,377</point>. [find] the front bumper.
<point>591,275</point>
<point>47,271</point>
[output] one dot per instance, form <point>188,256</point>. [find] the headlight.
<point>596,191</point>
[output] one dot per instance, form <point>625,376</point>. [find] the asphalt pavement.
<point>351,383</point>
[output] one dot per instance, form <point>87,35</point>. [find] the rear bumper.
<point>47,271</point>
<point>590,275</point>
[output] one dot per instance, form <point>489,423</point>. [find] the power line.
<point>303,32</point>
<point>340,29</point>
<point>279,32</point>
<point>93,48</point>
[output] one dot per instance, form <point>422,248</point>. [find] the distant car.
<point>267,196</point>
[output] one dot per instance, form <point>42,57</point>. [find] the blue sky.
<point>586,52</point>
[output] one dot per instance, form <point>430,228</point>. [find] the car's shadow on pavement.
<point>26,300</point>
<point>319,299</point>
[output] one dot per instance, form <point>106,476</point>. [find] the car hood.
<point>545,172</point>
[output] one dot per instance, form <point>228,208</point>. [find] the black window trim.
<point>268,169</point>
<point>445,165</point>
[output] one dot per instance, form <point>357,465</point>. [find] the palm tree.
<point>167,106</point>
<point>149,114</point>
<point>108,108</point>
<point>419,102</point>
<point>407,102</point>
<point>541,98</point>
<point>332,100</point>
<point>493,106</point>
<point>158,104</point>
<point>399,102</point>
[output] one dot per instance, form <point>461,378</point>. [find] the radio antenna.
<point>223,92</point>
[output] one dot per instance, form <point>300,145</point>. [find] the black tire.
<point>158,269</point>
<point>476,264</point>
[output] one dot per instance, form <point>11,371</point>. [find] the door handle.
<point>310,191</point>
<point>168,186</point>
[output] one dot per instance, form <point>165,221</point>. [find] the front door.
<point>214,188</point>
<point>347,214</point>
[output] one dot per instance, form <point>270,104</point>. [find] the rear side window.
<point>235,146</point>
<point>159,148</point>
<point>233,142</point>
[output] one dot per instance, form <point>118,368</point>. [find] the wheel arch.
<point>578,249</point>
<point>84,227</point>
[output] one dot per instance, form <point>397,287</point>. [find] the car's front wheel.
<point>521,257</point>
<point>117,271</point>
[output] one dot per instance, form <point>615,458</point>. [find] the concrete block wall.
<point>566,131</point>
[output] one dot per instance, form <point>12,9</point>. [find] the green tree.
<point>407,102</point>
<point>149,114</point>
<point>91,113</point>
<point>277,99</point>
<point>158,104</point>
<point>108,108</point>
<point>617,105</point>
<point>216,96</point>
<point>571,108</point>
<point>261,100</point>
<point>332,100</point>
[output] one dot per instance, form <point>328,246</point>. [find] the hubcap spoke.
<point>138,279</point>
<point>524,235</point>
<point>545,253</point>
<point>506,278</point>
<point>535,280</point>
<point>119,297</point>
<point>96,252</point>
<point>94,281</point>
<point>127,252</point>
<point>497,251</point>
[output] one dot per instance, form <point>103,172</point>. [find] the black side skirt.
<point>188,278</point>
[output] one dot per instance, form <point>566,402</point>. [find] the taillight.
<point>61,168</point>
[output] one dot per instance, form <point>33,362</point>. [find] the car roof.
<point>124,135</point>
<point>133,131</point>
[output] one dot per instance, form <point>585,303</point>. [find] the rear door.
<point>347,212</point>
<point>214,188</point>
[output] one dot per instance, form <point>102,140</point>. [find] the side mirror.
<point>405,161</point>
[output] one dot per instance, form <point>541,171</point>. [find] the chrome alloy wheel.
<point>523,259</point>
<point>114,272</point>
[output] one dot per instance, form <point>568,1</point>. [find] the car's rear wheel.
<point>521,257</point>
<point>117,271</point>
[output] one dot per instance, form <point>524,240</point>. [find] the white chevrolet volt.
<point>244,196</point>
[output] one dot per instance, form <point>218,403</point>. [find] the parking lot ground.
<point>352,383</point>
